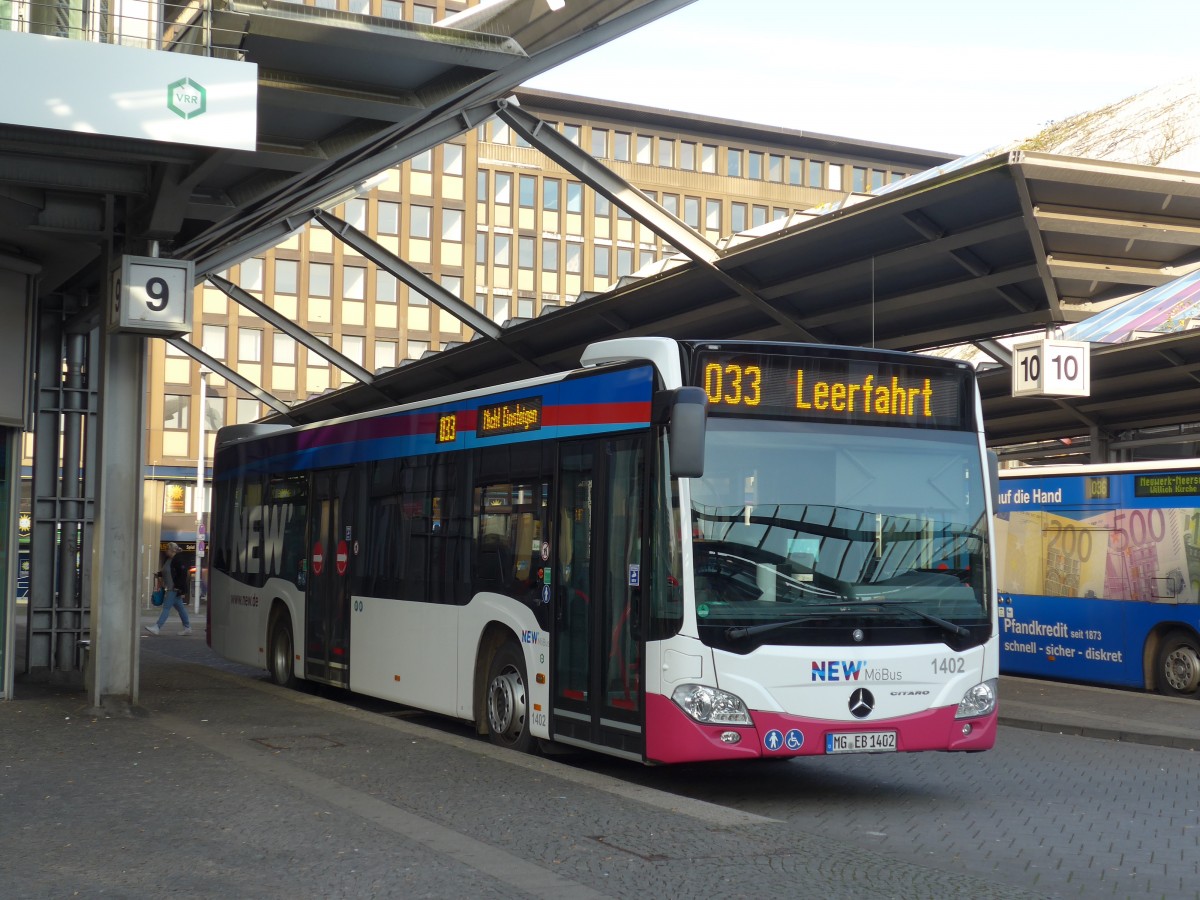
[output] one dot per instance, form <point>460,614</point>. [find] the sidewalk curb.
<point>1105,734</point>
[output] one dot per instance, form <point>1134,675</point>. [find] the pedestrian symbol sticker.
<point>773,739</point>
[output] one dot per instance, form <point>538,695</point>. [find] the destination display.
<point>511,417</point>
<point>856,391</point>
<point>447,430</point>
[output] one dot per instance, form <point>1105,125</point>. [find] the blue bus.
<point>1099,569</point>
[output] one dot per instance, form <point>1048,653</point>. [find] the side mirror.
<point>689,417</point>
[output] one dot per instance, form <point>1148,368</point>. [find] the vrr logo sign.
<point>186,98</point>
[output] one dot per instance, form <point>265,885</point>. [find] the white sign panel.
<point>128,92</point>
<point>1052,368</point>
<point>152,296</point>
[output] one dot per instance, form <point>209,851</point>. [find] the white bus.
<point>681,551</point>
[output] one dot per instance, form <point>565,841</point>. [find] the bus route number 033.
<point>733,385</point>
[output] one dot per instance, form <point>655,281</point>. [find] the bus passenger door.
<point>330,561</point>
<point>596,692</point>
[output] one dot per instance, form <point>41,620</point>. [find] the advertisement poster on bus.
<point>1088,564</point>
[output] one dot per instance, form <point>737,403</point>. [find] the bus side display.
<point>832,389</point>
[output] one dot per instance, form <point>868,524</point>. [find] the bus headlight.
<point>978,701</point>
<point>711,706</point>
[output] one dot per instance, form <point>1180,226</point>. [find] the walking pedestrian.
<point>171,597</point>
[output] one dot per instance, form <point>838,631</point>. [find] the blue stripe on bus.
<point>344,443</point>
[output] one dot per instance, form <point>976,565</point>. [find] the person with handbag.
<point>171,595</point>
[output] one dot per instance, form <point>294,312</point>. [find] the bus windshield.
<point>806,534</point>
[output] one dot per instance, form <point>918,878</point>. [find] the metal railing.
<point>179,27</point>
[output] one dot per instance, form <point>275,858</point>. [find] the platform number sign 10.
<point>1051,368</point>
<point>152,296</point>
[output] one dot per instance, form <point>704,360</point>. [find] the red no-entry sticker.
<point>318,558</point>
<point>343,554</point>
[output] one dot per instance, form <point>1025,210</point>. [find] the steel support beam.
<point>219,368</point>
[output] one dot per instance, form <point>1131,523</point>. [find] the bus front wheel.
<point>280,651</point>
<point>508,700</point>
<point>1179,665</point>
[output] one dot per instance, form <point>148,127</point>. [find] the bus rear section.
<point>1100,574</point>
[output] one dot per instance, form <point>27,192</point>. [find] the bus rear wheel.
<point>508,700</point>
<point>1179,665</point>
<point>280,652</point>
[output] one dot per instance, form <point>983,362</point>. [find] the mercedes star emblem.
<point>861,703</point>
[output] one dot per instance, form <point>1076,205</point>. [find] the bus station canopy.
<point>1006,244</point>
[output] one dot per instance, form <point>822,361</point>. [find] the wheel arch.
<point>492,638</point>
<point>1153,644</point>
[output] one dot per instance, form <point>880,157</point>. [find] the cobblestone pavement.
<point>223,785</point>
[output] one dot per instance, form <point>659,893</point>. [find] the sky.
<point>957,76</point>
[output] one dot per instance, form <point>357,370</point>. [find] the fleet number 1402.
<point>949,665</point>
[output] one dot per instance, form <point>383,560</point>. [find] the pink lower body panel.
<point>673,737</point>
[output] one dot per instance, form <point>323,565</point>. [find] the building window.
<point>712,215</point>
<point>417,349</point>
<point>835,177</point>
<point>524,252</point>
<point>388,216</point>
<point>549,255</point>
<point>670,202</point>
<point>419,221</point>
<point>572,133</point>
<point>621,143</point>
<point>574,197</point>
<point>733,163</point>
<point>356,213</point>
<point>452,159</point>
<point>687,156</point>
<point>504,188</point>
<point>481,248</point>
<point>283,349</point>
<point>877,179</point>
<point>666,153</point>
<point>500,132</point>
<point>599,143</point>
<point>551,191</point>
<point>354,283</point>
<point>246,410</point>
<point>424,15</point>
<point>603,206</point>
<point>502,252</point>
<point>527,192</point>
<point>624,261</point>
<point>737,217</point>
<point>708,158</point>
<point>500,305</point>
<point>385,354</point>
<point>645,149</point>
<point>816,173</point>
<point>481,186</point>
<point>758,216</point>
<point>774,167</point>
<point>754,169</point>
<point>213,341</point>
<point>422,162</point>
<point>691,212</point>
<point>214,413</point>
<point>352,347</point>
<point>602,261</point>
<point>393,9</point>
<point>286,271</point>
<point>320,276</point>
<point>452,220</point>
<point>176,412</point>
<point>574,258</point>
<point>250,344</point>
<point>251,275</point>
<point>385,286</point>
<point>858,180</point>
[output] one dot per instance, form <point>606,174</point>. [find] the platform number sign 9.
<point>152,296</point>
<point>1051,368</point>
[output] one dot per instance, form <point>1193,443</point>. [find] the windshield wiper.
<point>736,634</point>
<point>944,624</point>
